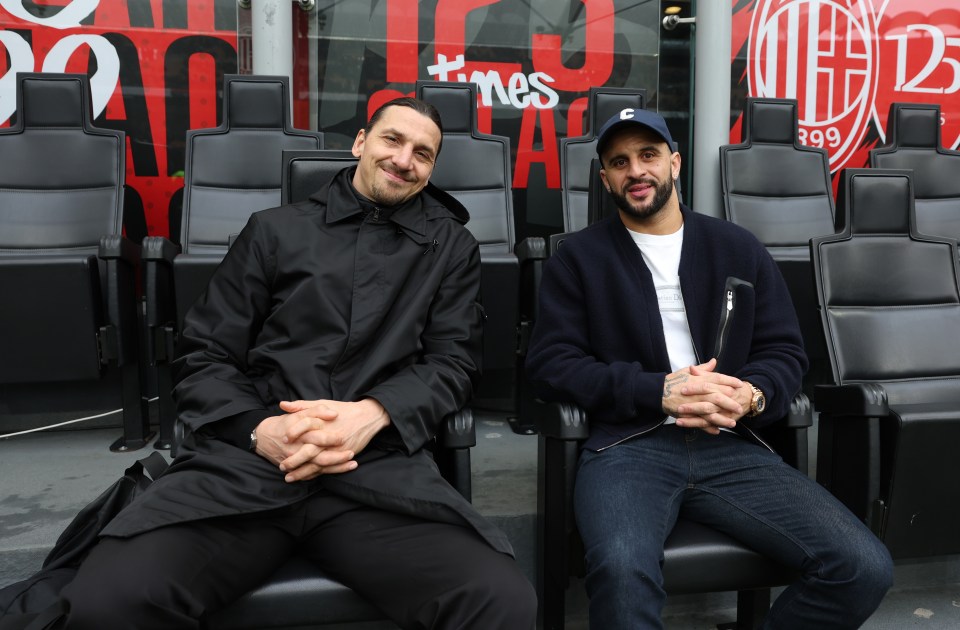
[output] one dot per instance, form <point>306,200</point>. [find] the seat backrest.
<point>305,172</point>
<point>577,152</point>
<point>474,167</point>
<point>600,204</point>
<point>771,184</point>
<point>914,142</point>
<point>235,169</point>
<point>61,178</point>
<point>889,296</point>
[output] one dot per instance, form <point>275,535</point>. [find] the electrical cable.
<point>66,422</point>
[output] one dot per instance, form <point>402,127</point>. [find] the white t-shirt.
<point>661,253</point>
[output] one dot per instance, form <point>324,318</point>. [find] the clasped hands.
<point>700,398</point>
<point>315,437</point>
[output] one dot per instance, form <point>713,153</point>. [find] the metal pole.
<point>711,104</point>
<point>272,28</point>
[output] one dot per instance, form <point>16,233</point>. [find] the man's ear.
<point>358,143</point>
<point>603,178</point>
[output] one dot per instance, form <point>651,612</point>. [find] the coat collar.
<point>341,201</point>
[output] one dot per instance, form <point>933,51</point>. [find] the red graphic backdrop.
<point>846,61</point>
<point>156,67</point>
<point>154,70</point>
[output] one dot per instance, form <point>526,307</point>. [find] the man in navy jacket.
<point>675,331</point>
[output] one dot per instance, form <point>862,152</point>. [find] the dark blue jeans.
<point>628,497</point>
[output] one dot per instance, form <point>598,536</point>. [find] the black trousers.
<point>421,574</point>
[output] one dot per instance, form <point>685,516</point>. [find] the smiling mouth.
<point>395,176</point>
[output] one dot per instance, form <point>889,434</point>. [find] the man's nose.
<point>404,157</point>
<point>637,168</point>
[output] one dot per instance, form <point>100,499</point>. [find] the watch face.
<point>758,403</point>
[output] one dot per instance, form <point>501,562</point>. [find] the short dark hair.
<point>421,107</point>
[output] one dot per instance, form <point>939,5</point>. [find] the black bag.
<point>36,599</point>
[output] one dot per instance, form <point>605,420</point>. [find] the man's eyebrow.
<point>396,132</point>
<point>653,146</point>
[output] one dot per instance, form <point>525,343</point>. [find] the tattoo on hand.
<point>670,382</point>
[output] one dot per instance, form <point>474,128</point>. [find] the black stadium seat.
<point>913,142</point>
<point>781,191</point>
<point>232,171</point>
<point>475,169</point>
<point>69,316</point>
<point>889,301</point>
<point>577,152</point>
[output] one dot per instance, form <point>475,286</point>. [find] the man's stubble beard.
<point>659,201</point>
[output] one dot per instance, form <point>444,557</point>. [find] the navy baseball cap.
<point>630,116</point>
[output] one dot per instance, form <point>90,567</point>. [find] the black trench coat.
<point>320,299</point>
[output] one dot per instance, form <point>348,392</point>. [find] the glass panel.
<point>534,62</point>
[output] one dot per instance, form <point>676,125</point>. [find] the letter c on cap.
<point>626,114</point>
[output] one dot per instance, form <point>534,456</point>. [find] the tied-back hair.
<point>421,107</point>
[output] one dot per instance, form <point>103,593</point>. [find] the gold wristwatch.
<point>758,403</point>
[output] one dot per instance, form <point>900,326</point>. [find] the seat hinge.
<point>524,330</point>
<point>107,344</point>
<point>164,340</point>
<point>878,517</point>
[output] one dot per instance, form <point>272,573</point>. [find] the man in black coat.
<point>327,348</point>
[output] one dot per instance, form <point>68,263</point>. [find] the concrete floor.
<point>45,478</point>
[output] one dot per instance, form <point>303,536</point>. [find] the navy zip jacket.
<point>598,341</point>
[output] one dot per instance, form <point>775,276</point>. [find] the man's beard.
<point>662,193</point>
<point>387,195</point>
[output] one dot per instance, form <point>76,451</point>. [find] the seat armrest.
<point>457,435</point>
<point>531,248</point>
<point>159,297</point>
<point>800,414</point>
<point>158,248</point>
<point>458,430</point>
<point>117,247</point>
<point>119,339</point>
<point>854,399</point>
<point>562,421</point>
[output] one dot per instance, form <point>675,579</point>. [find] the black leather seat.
<point>231,172</point>
<point>578,171</point>
<point>697,558</point>
<point>299,594</point>
<point>913,142</point>
<point>69,317</point>
<point>781,191</point>
<point>889,426</point>
<point>306,172</point>
<point>475,168</point>
<point>577,152</point>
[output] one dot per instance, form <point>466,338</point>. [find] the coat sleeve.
<point>211,381</point>
<point>562,364</point>
<point>418,396</point>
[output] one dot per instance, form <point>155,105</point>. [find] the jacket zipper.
<point>725,320</point>
<point>630,437</point>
